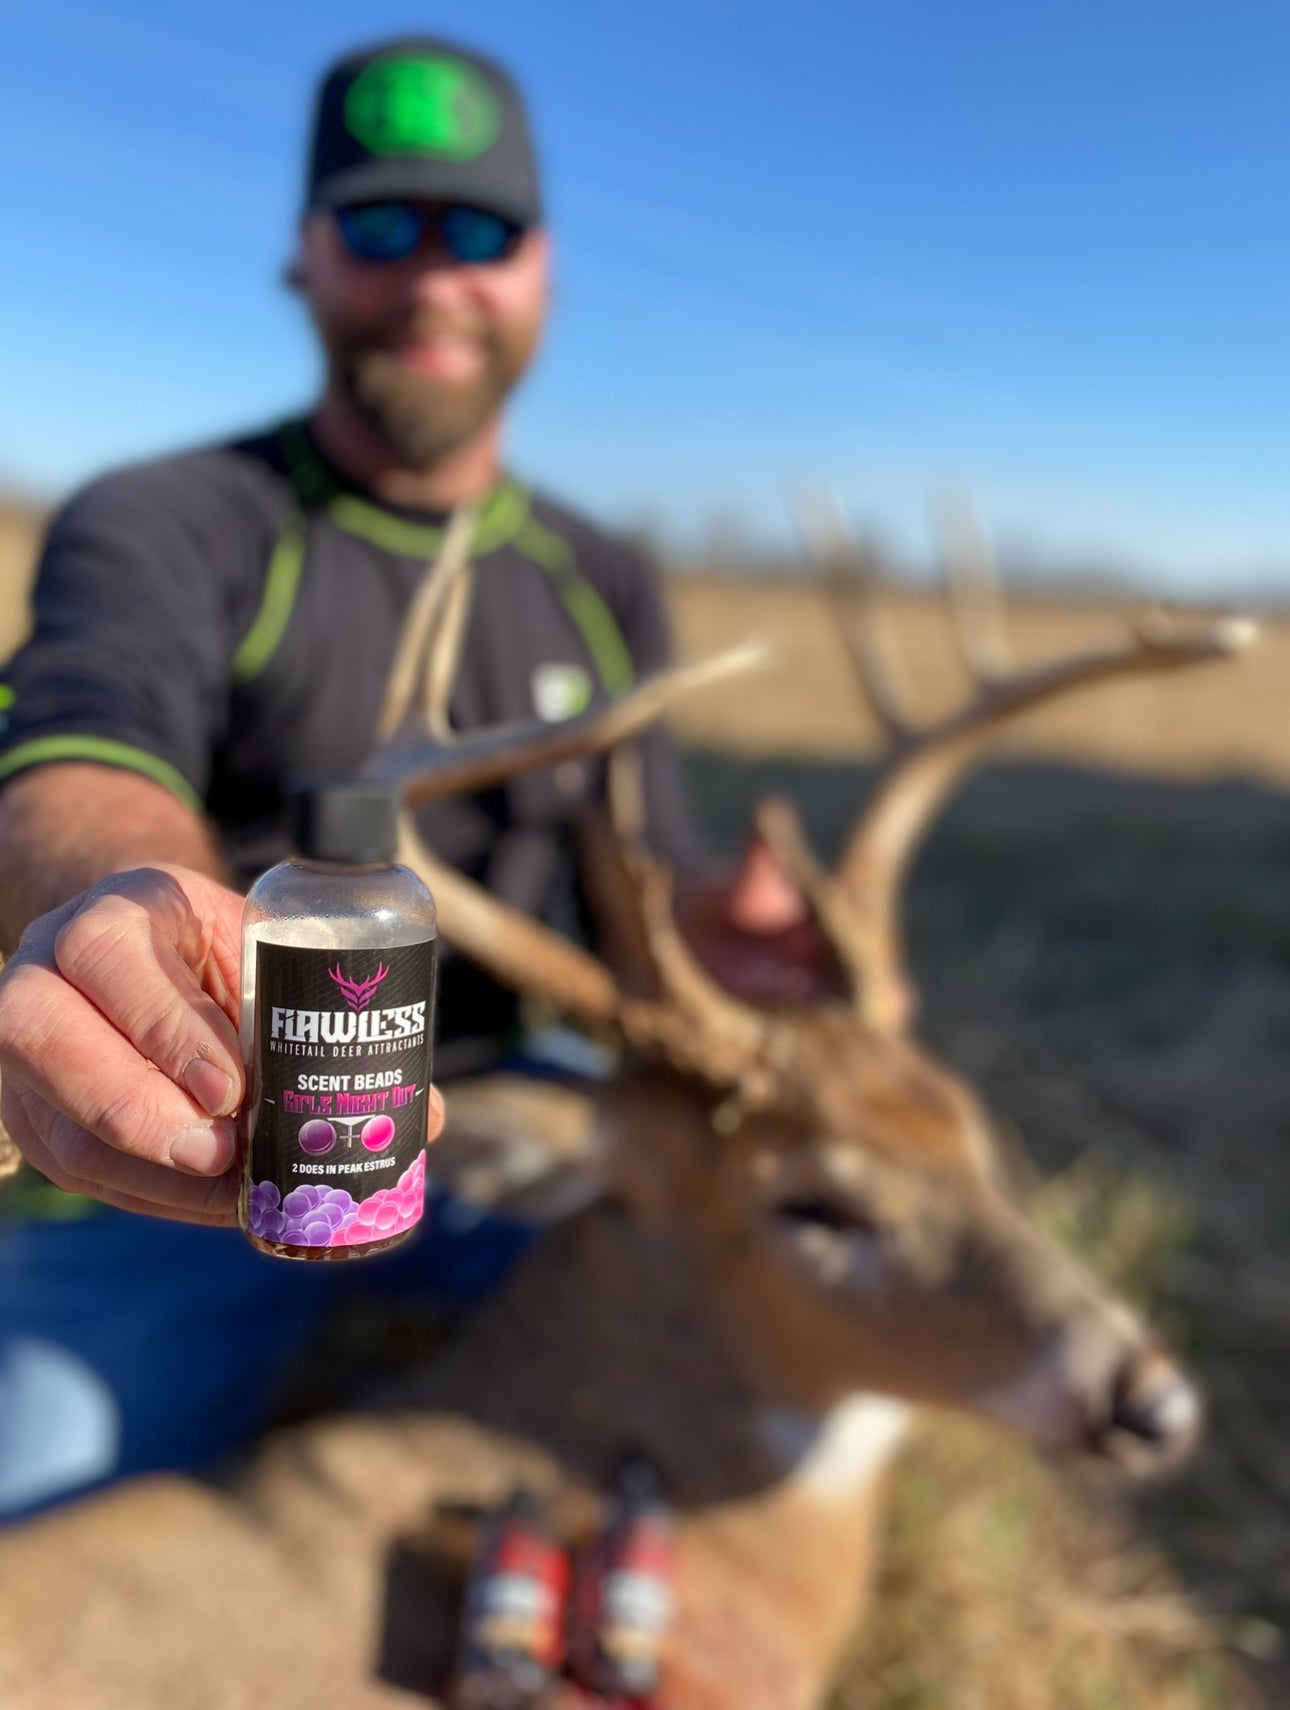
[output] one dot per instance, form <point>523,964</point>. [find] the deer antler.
<point>727,1046</point>
<point>683,1018</point>
<point>848,573</point>
<point>912,790</point>
<point>927,764</point>
<point>432,632</point>
<point>974,587</point>
<point>516,949</point>
<point>478,759</point>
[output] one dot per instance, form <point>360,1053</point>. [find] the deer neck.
<point>604,1339</point>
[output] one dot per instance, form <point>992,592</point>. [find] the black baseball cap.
<point>424,118</point>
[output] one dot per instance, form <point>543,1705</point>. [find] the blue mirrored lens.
<point>472,235</point>
<point>381,231</point>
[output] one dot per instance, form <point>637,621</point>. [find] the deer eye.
<point>817,1212</point>
<point>831,1240</point>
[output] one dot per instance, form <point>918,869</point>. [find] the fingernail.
<point>209,1086</point>
<point>206,1150</point>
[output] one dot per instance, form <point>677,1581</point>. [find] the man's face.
<point>427,347</point>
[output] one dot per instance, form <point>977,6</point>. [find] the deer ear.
<point>522,1148</point>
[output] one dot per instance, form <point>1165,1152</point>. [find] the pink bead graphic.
<point>377,1133</point>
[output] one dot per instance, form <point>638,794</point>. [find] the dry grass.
<point>19,533</point>
<point>1109,960</point>
<point>1005,1590</point>
<point>1229,719</point>
<point>1112,962</point>
<point>1005,1586</point>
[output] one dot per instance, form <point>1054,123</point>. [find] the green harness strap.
<point>506,518</point>
<point>281,585</point>
<point>579,597</point>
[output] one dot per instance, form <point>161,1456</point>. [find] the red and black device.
<point>623,1597</point>
<point>512,1638</point>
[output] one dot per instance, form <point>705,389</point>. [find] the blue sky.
<point>1039,249</point>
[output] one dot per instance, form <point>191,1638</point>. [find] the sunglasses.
<point>392,231</point>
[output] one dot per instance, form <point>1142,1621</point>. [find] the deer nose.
<point>1154,1417</point>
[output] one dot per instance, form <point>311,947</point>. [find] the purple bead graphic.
<point>317,1137</point>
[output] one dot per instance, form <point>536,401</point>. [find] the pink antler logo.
<point>358,993</point>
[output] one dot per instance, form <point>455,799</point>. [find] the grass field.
<point>1109,959</point>
<point>1224,721</point>
<point>1101,933</point>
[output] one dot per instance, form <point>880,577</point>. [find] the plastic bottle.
<point>513,1622</point>
<point>338,963</point>
<point>623,1598</point>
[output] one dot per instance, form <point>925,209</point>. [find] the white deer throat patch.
<point>831,1454</point>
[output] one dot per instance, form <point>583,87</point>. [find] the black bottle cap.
<point>524,1503</point>
<point>636,1478</point>
<point>347,820</point>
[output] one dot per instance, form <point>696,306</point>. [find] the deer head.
<point>837,1185</point>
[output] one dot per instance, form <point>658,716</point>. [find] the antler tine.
<point>516,949</point>
<point>625,792</point>
<point>779,825</point>
<point>973,585</point>
<point>699,1031</point>
<point>674,1011</point>
<point>909,794</point>
<point>631,895</point>
<point>848,573</point>
<point>433,628</point>
<point>1229,634</point>
<point>426,771</point>
<point>609,835</point>
<point>444,652</point>
<point>699,999</point>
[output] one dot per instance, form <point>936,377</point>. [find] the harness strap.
<point>281,584</point>
<point>506,516</point>
<point>591,616</point>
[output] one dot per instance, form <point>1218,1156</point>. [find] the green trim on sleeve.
<point>593,618</point>
<point>103,750</point>
<point>281,584</point>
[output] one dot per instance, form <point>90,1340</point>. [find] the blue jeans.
<point>132,1344</point>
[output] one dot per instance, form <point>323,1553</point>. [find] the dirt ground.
<point>1100,929</point>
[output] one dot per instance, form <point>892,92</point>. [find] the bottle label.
<point>341,1077</point>
<point>515,1603</point>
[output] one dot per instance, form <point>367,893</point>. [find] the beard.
<point>422,418</point>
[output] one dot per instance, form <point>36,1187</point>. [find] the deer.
<point>771,1234</point>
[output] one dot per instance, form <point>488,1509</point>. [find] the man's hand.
<point>120,1071</point>
<point>753,932</point>
<point>119,1057</point>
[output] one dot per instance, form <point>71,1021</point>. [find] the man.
<point>207,625</point>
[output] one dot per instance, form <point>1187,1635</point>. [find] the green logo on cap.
<point>419,104</point>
